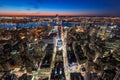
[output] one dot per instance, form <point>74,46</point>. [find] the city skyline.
<point>62,7</point>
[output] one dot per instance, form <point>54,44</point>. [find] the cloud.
<point>1,6</point>
<point>35,4</point>
<point>39,1</point>
<point>28,9</point>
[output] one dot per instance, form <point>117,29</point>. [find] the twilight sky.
<point>76,7</point>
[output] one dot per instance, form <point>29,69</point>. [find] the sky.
<point>63,7</point>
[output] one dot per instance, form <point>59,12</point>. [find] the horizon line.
<point>52,14</point>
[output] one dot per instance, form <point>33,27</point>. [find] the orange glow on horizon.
<point>40,14</point>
